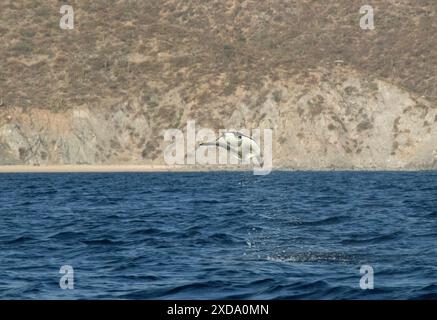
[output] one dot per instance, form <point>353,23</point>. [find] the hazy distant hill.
<point>335,95</point>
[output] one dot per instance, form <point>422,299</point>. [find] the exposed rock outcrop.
<point>320,119</point>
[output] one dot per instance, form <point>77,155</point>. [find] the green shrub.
<point>22,47</point>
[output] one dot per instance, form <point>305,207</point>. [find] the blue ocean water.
<point>219,235</point>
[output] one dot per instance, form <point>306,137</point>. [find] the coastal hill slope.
<point>336,96</point>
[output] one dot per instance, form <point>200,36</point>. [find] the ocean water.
<point>219,235</point>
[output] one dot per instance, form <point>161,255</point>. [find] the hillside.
<point>336,96</point>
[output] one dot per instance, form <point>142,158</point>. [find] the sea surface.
<point>219,235</point>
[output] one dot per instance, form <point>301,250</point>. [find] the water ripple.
<point>215,235</point>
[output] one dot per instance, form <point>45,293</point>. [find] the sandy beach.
<point>179,168</point>
<point>99,168</point>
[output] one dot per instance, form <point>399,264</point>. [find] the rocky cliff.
<point>336,96</point>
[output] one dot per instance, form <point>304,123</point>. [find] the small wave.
<point>170,190</point>
<point>302,257</point>
<point>193,287</point>
<point>326,221</point>
<point>204,201</point>
<point>147,231</point>
<point>99,242</point>
<point>20,239</point>
<point>373,240</point>
<point>432,214</point>
<point>67,235</point>
<point>428,292</point>
<point>318,289</point>
<point>224,238</point>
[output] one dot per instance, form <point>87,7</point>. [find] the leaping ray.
<point>236,142</point>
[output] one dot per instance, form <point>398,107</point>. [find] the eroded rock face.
<point>321,119</point>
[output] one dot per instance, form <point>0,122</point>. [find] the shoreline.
<point>165,168</point>
<point>95,168</point>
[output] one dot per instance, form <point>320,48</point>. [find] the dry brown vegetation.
<point>118,47</point>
